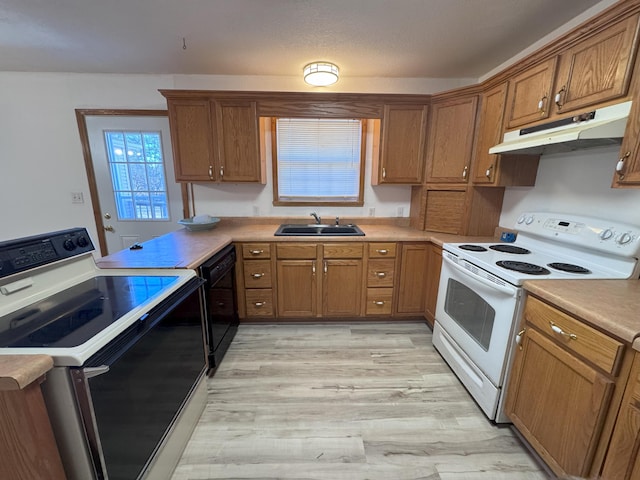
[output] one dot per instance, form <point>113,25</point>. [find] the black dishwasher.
<point>222,304</point>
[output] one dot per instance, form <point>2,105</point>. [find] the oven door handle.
<point>511,291</point>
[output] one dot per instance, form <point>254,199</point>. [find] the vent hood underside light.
<point>604,126</point>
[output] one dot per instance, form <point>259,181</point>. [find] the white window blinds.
<point>318,159</point>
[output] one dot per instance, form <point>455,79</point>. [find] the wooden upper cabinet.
<point>402,145</point>
<point>591,72</point>
<point>498,170</point>
<point>450,143</point>
<point>627,168</point>
<point>597,69</point>
<point>530,94</point>
<point>191,122</point>
<point>238,140</point>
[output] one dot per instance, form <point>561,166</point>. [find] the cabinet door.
<point>403,138</point>
<point>627,168</point>
<point>597,69</point>
<point>412,281</point>
<point>489,133</point>
<point>341,287</point>
<point>558,403</point>
<point>529,98</point>
<point>449,148</point>
<point>434,265</point>
<point>296,288</point>
<point>192,127</point>
<point>238,142</point>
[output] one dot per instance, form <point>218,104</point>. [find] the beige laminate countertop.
<point>612,305</point>
<point>186,249</point>
<point>18,371</point>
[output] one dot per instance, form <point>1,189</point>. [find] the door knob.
<point>109,228</point>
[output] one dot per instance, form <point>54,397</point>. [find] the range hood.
<point>604,126</point>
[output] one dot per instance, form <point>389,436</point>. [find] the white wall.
<point>577,182</point>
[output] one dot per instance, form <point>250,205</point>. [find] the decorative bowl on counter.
<point>199,222</point>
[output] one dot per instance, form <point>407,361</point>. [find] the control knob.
<point>69,245</point>
<point>82,241</point>
<point>624,239</point>
<point>529,220</point>
<point>521,218</point>
<point>606,234</point>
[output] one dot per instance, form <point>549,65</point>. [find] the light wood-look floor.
<point>357,401</point>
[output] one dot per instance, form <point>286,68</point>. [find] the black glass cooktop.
<point>73,316</point>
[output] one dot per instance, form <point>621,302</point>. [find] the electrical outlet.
<point>400,211</point>
<point>372,212</point>
<point>77,197</point>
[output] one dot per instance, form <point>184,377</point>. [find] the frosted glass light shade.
<point>321,74</point>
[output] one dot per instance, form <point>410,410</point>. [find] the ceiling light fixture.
<point>321,74</point>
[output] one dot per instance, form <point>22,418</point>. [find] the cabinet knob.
<point>384,173</point>
<point>464,172</point>
<point>221,171</point>
<point>489,171</point>
<point>257,275</point>
<point>326,268</point>
<point>211,172</point>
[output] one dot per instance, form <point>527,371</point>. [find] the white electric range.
<point>480,290</point>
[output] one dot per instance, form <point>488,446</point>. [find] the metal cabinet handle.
<point>380,274</point>
<point>257,275</point>
<point>222,171</point>
<point>260,304</point>
<point>378,302</point>
<point>489,171</point>
<point>382,252</point>
<point>541,105</point>
<point>557,329</point>
<point>325,267</point>
<point>313,268</point>
<point>211,172</point>
<point>464,172</point>
<point>256,252</point>
<point>558,97</point>
<point>384,173</point>
<point>620,165</point>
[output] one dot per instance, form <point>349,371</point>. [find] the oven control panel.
<point>25,253</point>
<point>593,233</point>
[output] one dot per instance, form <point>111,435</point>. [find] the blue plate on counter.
<point>199,225</point>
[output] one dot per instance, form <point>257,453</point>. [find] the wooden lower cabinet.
<point>297,288</point>
<point>564,392</point>
<point>255,270</point>
<point>434,265</point>
<point>623,461</point>
<point>341,287</point>
<point>413,278</point>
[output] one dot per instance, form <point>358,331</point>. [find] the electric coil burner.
<point>523,267</point>
<point>510,249</point>
<point>473,248</point>
<point>568,267</point>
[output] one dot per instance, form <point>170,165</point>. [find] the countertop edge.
<point>19,371</point>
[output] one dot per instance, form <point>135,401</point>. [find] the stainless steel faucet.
<point>318,219</point>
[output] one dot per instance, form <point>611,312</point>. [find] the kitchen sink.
<point>318,230</point>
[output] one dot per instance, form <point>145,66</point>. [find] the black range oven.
<point>221,303</point>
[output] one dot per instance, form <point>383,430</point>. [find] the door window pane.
<point>470,312</point>
<point>137,174</point>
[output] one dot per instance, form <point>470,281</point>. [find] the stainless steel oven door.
<point>475,317</point>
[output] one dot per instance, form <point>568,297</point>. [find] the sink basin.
<point>317,230</point>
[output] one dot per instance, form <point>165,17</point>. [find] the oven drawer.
<point>259,303</point>
<point>256,250</point>
<point>257,274</point>
<point>598,348</point>
<point>379,301</point>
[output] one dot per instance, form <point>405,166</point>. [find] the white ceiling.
<point>366,38</point>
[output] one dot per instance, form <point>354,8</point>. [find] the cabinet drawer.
<point>259,303</point>
<point>297,251</point>
<point>256,250</point>
<point>598,348</point>
<point>385,250</point>
<point>343,250</point>
<point>380,273</point>
<point>257,274</point>
<point>379,301</point>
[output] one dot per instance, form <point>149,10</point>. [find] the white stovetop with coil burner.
<point>607,250</point>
